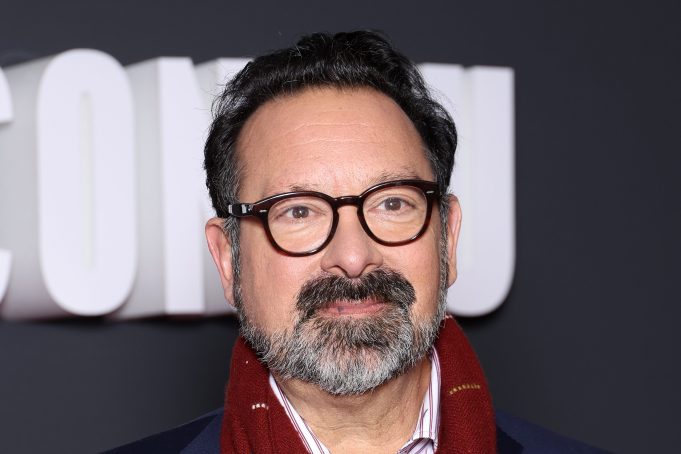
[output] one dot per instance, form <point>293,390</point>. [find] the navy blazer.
<point>202,436</point>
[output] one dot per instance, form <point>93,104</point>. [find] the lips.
<point>353,307</point>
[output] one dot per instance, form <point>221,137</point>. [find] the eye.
<point>393,204</point>
<point>298,212</point>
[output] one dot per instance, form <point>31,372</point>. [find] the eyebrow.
<point>402,174</point>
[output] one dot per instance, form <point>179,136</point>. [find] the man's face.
<point>339,143</point>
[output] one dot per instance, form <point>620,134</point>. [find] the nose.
<point>351,253</point>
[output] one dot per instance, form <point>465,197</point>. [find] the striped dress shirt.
<point>422,441</point>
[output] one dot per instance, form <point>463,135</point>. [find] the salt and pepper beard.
<point>346,355</point>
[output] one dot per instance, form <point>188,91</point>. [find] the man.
<point>328,166</point>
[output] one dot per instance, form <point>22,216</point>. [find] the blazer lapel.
<point>506,444</point>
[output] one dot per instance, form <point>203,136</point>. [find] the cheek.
<point>269,281</point>
<point>420,263</point>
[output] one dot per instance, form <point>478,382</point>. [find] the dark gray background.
<point>587,342</point>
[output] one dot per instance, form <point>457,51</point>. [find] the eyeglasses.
<point>303,222</point>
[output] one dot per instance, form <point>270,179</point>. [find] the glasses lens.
<point>396,213</point>
<point>300,224</point>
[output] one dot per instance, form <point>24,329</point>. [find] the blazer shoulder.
<point>202,435</point>
<point>536,439</point>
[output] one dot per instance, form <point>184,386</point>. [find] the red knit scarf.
<point>255,422</point>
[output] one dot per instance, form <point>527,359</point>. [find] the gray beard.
<point>347,355</point>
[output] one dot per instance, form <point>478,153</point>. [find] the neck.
<point>380,420</point>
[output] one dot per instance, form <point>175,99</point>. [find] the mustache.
<point>383,284</point>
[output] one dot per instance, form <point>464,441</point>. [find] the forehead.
<point>330,140</point>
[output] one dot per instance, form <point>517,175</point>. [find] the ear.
<point>220,248</point>
<point>453,228</point>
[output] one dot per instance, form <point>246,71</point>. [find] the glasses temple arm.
<point>240,210</point>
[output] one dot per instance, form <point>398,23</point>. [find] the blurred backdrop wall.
<point>587,341</point>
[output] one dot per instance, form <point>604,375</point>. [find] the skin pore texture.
<point>340,143</point>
